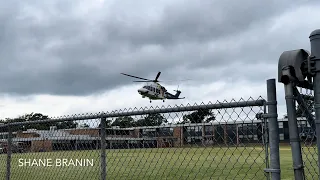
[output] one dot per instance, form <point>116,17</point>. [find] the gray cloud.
<point>54,47</point>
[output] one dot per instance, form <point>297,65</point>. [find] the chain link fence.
<point>222,140</point>
<point>307,132</point>
<point>299,71</point>
<point>300,129</point>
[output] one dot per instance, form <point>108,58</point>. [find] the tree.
<point>39,126</point>
<point>154,120</point>
<point>124,122</point>
<point>141,122</point>
<point>66,125</point>
<point>108,124</point>
<point>151,120</point>
<point>85,125</point>
<point>199,116</point>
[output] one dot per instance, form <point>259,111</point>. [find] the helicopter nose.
<point>141,90</point>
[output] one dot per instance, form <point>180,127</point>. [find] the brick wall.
<point>42,145</point>
<point>178,135</point>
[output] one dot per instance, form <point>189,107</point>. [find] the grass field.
<point>163,163</point>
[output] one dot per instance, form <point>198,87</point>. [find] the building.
<point>166,136</point>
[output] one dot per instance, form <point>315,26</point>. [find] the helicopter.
<point>154,90</point>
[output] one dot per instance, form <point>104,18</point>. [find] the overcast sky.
<point>62,57</point>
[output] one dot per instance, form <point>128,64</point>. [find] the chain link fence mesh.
<point>225,141</point>
<point>306,116</point>
<point>3,158</point>
<point>62,150</point>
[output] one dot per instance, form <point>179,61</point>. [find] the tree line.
<point>199,116</point>
<point>39,126</point>
<point>157,119</point>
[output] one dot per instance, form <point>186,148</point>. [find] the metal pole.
<point>294,133</point>
<point>103,149</point>
<point>9,151</point>
<point>265,141</point>
<point>273,130</point>
<point>315,52</point>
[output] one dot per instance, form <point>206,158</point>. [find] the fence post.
<point>273,127</point>
<point>103,148</point>
<point>9,151</point>
<point>315,57</point>
<point>265,139</point>
<point>294,132</point>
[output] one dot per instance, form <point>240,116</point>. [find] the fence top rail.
<point>300,119</point>
<point>222,105</point>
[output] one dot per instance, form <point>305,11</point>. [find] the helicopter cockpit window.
<point>145,87</point>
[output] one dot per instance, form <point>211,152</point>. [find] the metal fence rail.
<point>207,141</point>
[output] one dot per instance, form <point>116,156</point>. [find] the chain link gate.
<point>299,71</point>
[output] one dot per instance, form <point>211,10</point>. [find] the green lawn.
<point>163,163</point>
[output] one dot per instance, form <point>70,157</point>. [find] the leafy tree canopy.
<point>124,122</point>
<point>39,126</point>
<point>199,116</point>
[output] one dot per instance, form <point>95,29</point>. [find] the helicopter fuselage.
<point>154,91</point>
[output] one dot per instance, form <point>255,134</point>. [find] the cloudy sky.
<point>62,57</point>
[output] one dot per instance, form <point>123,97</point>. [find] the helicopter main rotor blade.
<point>177,80</point>
<point>156,80</point>
<point>145,81</point>
<point>136,77</point>
<point>173,82</point>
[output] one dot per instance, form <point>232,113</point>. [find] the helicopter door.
<point>153,90</point>
<point>160,91</point>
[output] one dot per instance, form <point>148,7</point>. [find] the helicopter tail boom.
<point>174,96</point>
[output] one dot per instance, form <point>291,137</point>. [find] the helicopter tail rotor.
<point>177,90</point>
